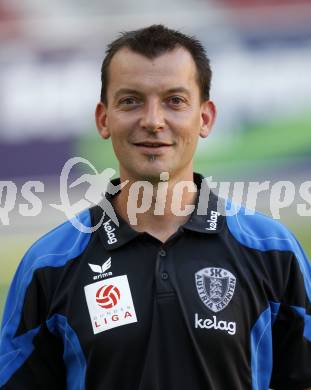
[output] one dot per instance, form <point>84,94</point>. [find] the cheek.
<point>188,124</point>
<point>122,127</point>
<point>190,135</point>
<point>119,145</point>
<point>118,130</point>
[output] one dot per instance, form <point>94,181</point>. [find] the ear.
<point>102,120</point>
<point>208,115</point>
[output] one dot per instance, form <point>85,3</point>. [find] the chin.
<point>151,174</point>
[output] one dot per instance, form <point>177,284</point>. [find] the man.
<point>172,301</point>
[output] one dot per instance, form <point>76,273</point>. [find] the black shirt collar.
<point>207,217</point>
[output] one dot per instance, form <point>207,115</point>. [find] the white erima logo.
<point>207,323</point>
<point>101,269</point>
<point>110,232</point>
<point>213,220</point>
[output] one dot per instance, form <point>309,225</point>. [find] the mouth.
<point>154,147</point>
<point>148,144</point>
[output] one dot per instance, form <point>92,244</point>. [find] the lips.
<point>149,144</point>
<point>153,147</point>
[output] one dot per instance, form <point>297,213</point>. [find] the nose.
<point>152,117</point>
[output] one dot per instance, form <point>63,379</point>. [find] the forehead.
<point>175,68</point>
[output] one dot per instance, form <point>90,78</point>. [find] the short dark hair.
<point>153,41</point>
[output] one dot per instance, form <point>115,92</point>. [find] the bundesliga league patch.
<point>215,287</point>
<point>110,303</point>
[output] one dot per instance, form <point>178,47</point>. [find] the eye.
<point>176,100</point>
<point>129,101</point>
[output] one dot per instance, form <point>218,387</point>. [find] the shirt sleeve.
<point>292,329</point>
<point>30,355</point>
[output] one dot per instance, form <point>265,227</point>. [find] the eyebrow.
<point>179,90</point>
<point>129,91</point>
<point>126,91</point>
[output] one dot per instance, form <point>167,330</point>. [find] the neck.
<point>158,208</point>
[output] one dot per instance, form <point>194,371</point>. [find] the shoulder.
<point>54,249</point>
<point>259,231</point>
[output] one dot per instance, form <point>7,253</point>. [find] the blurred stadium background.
<point>50,59</point>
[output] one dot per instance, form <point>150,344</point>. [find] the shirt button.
<point>164,276</point>
<point>162,252</point>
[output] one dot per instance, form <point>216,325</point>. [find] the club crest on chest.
<point>215,287</point>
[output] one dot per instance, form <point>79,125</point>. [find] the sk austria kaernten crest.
<point>215,287</point>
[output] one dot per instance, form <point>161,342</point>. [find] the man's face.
<point>154,114</point>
